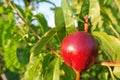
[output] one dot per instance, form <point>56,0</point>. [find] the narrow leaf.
<point>42,22</point>
<point>116,72</point>
<point>56,73</point>
<point>49,72</point>
<point>68,16</point>
<point>32,69</point>
<point>68,73</point>
<point>94,12</point>
<point>23,54</point>
<point>46,61</point>
<point>60,24</point>
<point>43,41</point>
<point>110,15</point>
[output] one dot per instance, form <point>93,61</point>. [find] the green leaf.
<point>59,22</point>
<point>56,73</point>
<point>43,41</point>
<point>77,5</point>
<point>116,72</point>
<point>118,4</point>
<point>10,40</point>
<point>111,16</point>
<point>49,71</point>
<point>42,22</point>
<point>23,54</point>
<point>46,61</point>
<point>68,73</point>
<point>85,5</point>
<point>94,13</point>
<point>109,44</point>
<point>33,69</point>
<point>10,56</point>
<point>68,16</point>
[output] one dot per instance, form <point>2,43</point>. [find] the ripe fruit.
<point>79,50</point>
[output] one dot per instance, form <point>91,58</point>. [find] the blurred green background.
<point>31,32</point>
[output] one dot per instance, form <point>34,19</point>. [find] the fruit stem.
<point>86,24</point>
<point>53,50</point>
<point>77,75</point>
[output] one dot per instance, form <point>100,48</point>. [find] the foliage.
<point>25,57</point>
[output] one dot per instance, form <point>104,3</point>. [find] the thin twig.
<point>53,50</point>
<point>3,76</point>
<point>111,73</point>
<point>19,14</point>
<point>109,63</point>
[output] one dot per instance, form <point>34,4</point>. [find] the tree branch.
<point>109,63</point>
<point>28,25</point>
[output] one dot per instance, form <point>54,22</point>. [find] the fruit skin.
<point>79,50</point>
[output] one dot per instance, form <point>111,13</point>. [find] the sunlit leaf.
<point>33,69</point>
<point>77,5</point>
<point>109,44</point>
<point>59,23</point>
<point>10,40</point>
<point>94,12</point>
<point>56,73</point>
<point>110,15</point>
<point>116,72</point>
<point>10,55</point>
<point>68,16</point>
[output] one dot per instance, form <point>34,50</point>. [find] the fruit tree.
<point>84,44</point>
